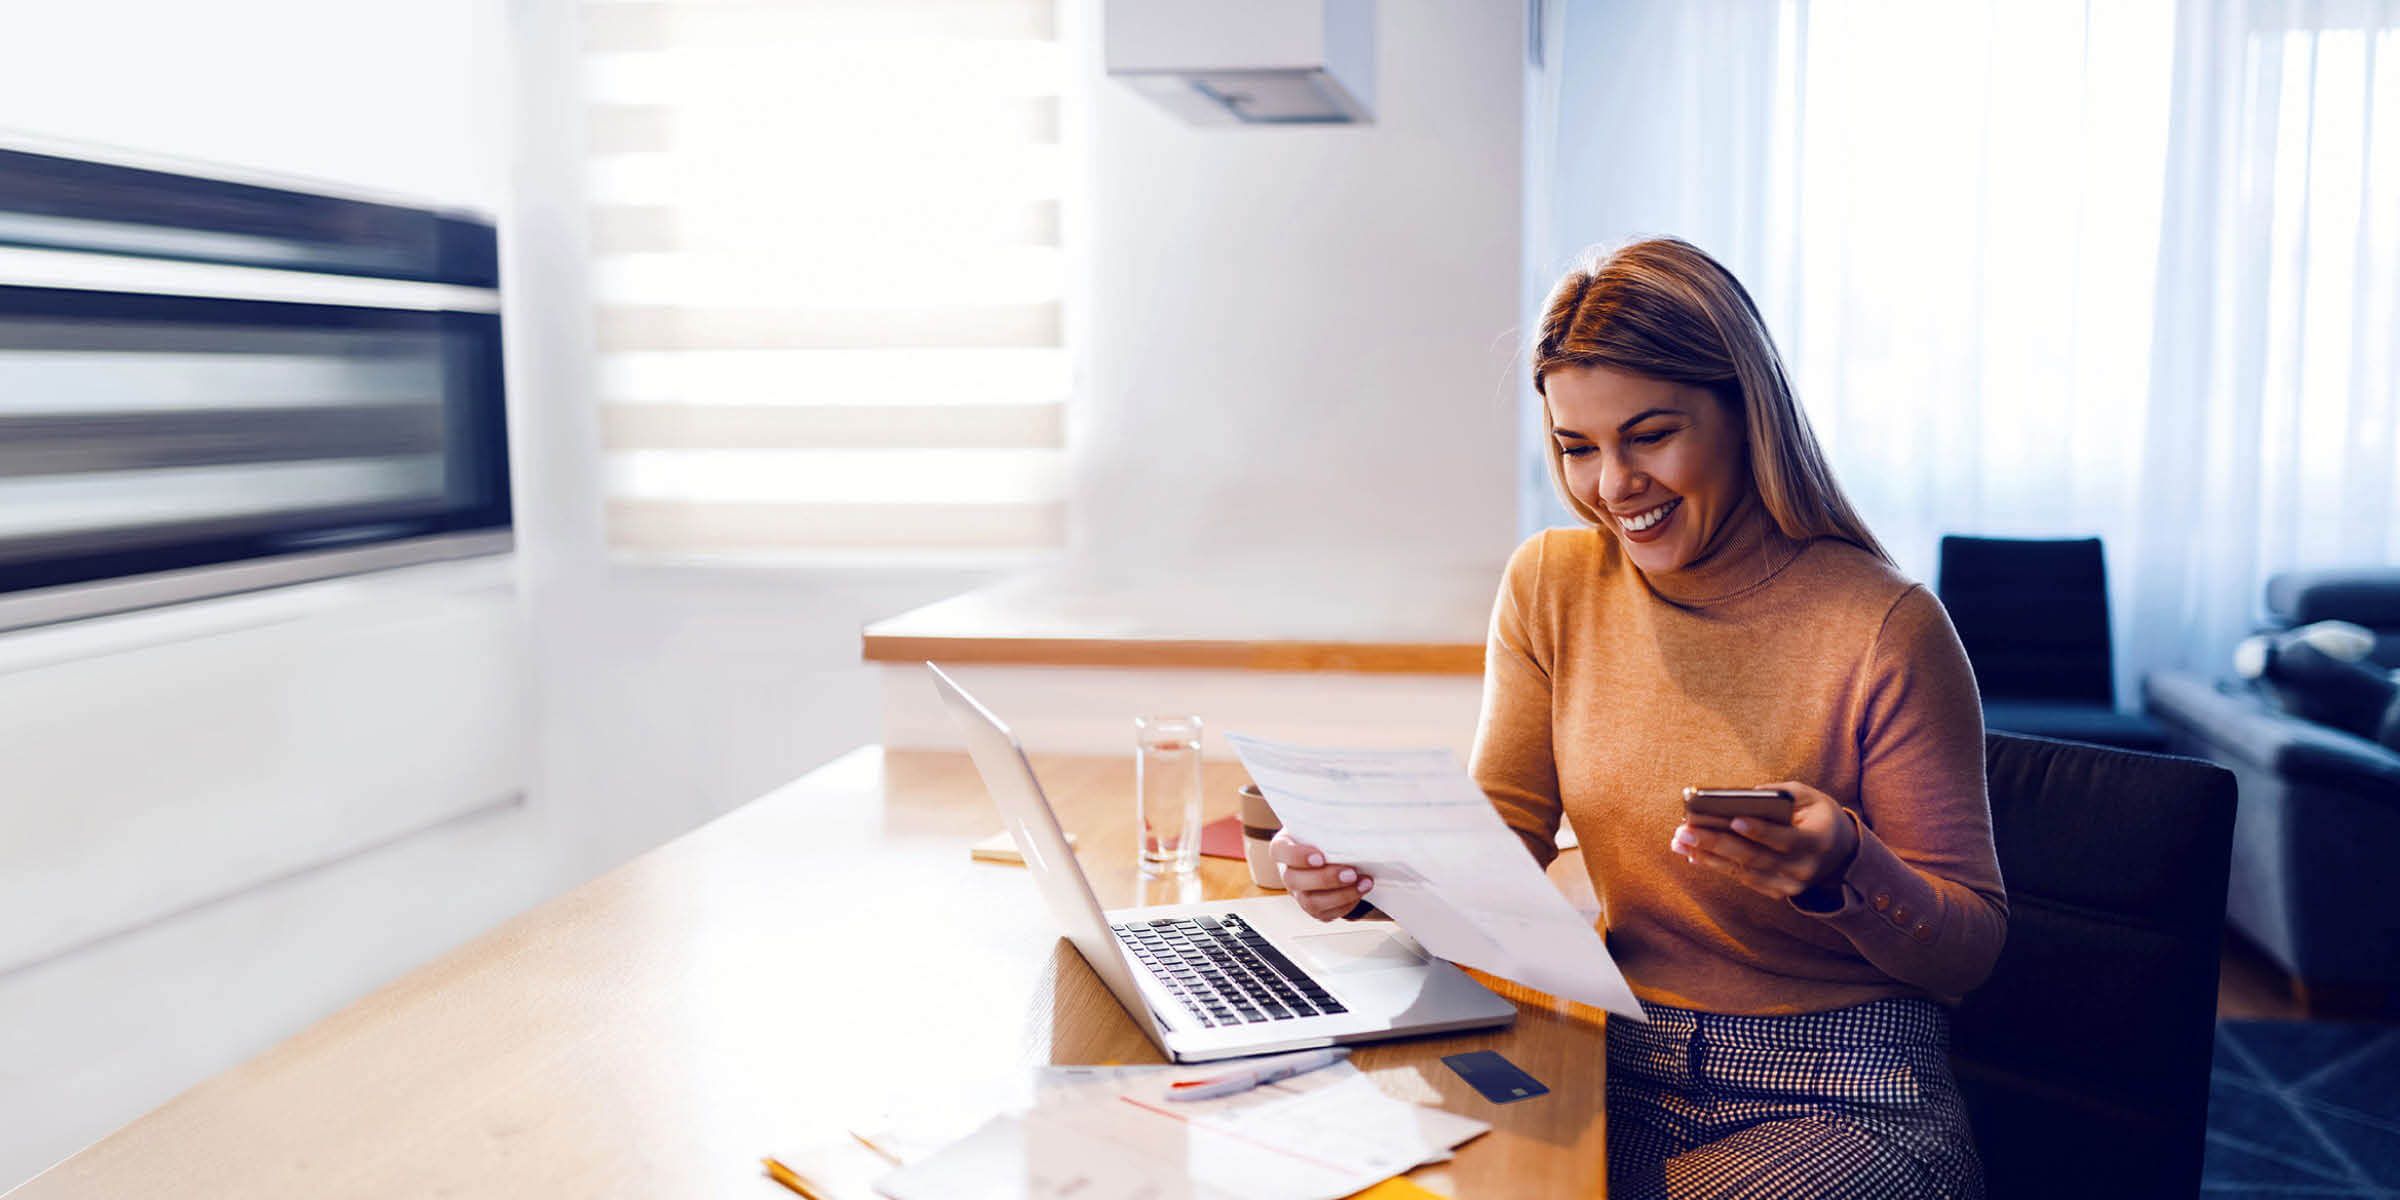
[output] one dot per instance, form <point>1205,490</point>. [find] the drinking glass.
<point>1167,793</point>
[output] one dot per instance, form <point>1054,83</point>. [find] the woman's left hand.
<point>1773,859</point>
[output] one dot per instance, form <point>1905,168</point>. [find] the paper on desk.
<point>932,1119</point>
<point>1114,1136</point>
<point>1446,867</point>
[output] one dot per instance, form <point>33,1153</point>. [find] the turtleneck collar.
<point>1744,551</point>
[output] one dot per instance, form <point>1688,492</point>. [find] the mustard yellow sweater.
<point>1606,692</point>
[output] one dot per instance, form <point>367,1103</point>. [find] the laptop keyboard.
<point>1224,971</point>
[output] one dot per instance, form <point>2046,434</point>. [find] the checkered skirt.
<point>1854,1103</point>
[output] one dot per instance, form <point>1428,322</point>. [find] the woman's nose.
<point>1619,483</point>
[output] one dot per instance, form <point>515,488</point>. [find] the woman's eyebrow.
<point>1628,423</point>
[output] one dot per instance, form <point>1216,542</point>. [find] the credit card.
<point>1500,1081</point>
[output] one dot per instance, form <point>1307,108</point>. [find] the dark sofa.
<point>2318,828</point>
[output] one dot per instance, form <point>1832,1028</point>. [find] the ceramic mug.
<point>1259,824</point>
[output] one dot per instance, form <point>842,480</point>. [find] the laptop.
<point>1223,978</point>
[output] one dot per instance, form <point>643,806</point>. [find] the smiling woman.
<point>1727,621</point>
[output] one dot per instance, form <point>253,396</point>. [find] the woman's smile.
<point>1648,524</point>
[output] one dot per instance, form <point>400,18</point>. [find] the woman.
<point>1728,621</point>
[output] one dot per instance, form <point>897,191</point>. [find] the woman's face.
<point>1662,463</point>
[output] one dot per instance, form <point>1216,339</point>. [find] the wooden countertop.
<point>1264,619</point>
<point>758,986</point>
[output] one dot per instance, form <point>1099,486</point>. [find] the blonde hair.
<point>1661,308</point>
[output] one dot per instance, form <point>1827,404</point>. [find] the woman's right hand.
<point>1325,890</point>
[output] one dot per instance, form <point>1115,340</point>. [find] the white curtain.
<point>2041,268</point>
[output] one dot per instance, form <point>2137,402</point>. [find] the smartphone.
<point>1715,808</point>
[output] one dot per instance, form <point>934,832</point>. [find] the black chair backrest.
<point>2084,1059</point>
<point>2033,616</point>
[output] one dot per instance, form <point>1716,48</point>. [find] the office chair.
<point>2033,616</point>
<point>2084,1059</point>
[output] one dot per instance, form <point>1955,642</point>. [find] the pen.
<point>1242,1081</point>
<point>783,1175</point>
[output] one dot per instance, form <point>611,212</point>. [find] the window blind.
<point>828,274</point>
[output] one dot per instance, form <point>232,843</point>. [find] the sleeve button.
<point>1900,915</point>
<point>1883,900</point>
<point>1923,932</point>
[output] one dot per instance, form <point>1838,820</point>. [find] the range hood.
<point>1247,62</point>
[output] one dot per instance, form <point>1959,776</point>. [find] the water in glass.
<point>1167,793</point>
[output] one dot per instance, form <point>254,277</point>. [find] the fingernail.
<point>1349,876</point>
<point>1365,886</point>
<point>1741,824</point>
<point>1316,860</point>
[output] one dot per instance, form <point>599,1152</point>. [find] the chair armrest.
<point>2242,726</point>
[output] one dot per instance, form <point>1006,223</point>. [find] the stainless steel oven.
<point>210,384</point>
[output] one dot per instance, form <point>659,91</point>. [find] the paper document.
<point>1445,866</point>
<point>1113,1135</point>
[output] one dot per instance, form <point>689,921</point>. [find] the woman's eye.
<point>1574,451</point>
<point>1647,439</point>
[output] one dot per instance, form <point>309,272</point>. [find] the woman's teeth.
<point>1652,517</point>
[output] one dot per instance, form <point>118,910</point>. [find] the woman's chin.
<point>1655,558</point>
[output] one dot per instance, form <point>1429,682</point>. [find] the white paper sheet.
<point>1445,866</point>
<point>1112,1135</point>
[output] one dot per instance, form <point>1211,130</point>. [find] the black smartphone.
<point>1715,808</point>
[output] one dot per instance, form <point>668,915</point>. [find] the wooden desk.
<point>757,985</point>
<point>1358,618</point>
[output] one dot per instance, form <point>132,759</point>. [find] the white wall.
<point>390,95</point>
<point>1306,337</point>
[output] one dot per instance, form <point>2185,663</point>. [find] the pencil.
<point>880,1152</point>
<point>783,1175</point>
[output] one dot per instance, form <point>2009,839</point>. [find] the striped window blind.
<point>828,275</point>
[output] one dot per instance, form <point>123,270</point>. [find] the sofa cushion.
<point>2234,720</point>
<point>2305,681</point>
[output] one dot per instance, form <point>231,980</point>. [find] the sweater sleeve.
<point>1922,899</point>
<point>1511,760</point>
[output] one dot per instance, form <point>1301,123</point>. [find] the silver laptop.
<point>1227,977</point>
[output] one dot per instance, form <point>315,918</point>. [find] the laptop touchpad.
<point>1346,950</point>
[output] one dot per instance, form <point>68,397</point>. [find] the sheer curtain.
<point>2275,369</point>
<point>2041,268</point>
